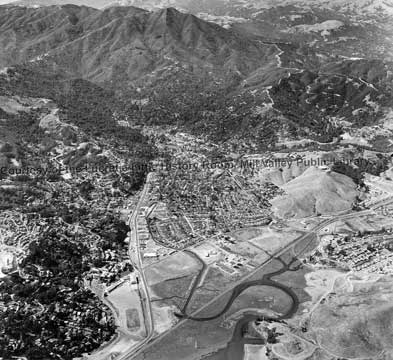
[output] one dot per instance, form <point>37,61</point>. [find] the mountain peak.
<point>168,12</point>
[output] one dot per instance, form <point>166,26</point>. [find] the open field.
<point>247,234</point>
<point>173,291</point>
<point>174,266</point>
<point>214,283</point>
<point>321,281</point>
<point>272,240</point>
<point>296,281</point>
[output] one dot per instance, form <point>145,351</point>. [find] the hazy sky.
<point>5,1</point>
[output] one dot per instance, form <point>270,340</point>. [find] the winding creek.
<point>235,348</point>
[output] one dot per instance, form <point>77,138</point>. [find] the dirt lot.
<point>128,306</point>
<point>163,317</point>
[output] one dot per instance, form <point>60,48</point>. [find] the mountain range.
<point>225,7</point>
<point>124,44</point>
<point>318,69</point>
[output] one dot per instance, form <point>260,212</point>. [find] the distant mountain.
<point>228,7</point>
<point>361,27</point>
<point>235,7</point>
<point>118,45</point>
<point>352,28</point>
<point>98,4</point>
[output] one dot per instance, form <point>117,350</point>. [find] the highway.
<point>347,216</point>
<point>149,320</point>
<point>234,285</point>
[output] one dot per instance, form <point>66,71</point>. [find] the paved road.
<point>149,320</point>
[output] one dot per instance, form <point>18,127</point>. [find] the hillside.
<point>41,110</point>
<point>315,192</point>
<point>356,320</point>
<point>317,101</point>
<point>124,44</point>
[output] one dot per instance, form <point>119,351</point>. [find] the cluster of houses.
<point>370,253</point>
